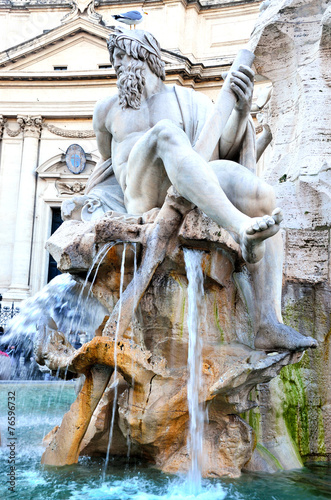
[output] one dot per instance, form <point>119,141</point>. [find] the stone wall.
<point>292,45</point>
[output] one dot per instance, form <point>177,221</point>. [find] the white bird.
<point>132,17</point>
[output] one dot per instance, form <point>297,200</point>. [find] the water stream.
<point>67,301</point>
<point>133,326</point>
<point>193,259</point>
<point>115,375</point>
<point>86,291</point>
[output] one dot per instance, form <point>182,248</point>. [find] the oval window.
<point>75,158</point>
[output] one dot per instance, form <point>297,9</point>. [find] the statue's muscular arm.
<point>242,84</point>
<point>103,135</point>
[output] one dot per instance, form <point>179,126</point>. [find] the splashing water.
<point>67,301</point>
<point>115,378</point>
<point>86,294</point>
<point>194,274</point>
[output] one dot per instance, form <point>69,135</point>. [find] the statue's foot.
<point>150,216</point>
<point>279,337</point>
<point>124,218</point>
<point>259,229</point>
<point>71,208</point>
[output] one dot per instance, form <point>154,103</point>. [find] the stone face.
<point>67,256</point>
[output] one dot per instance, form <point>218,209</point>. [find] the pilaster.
<point>10,171</point>
<point>19,288</point>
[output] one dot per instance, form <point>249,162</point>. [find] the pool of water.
<point>39,406</point>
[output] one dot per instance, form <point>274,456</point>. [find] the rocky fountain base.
<point>135,369</point>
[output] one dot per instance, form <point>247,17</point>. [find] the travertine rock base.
<point>151,354</point>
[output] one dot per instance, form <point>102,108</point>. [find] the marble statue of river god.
<point>174,171</point>
<point>151,136</point>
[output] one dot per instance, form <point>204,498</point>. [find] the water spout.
<point>83,300</point>
<point>115,374</point>
<point>194,274</point>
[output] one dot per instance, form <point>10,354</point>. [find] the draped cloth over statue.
<point>195,108</point>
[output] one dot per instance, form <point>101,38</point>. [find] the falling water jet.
<point>194,274</point>
<point>115,379</point>
<point>105,248</point>
<point>98,259</point>
<point>134,246</point>
<point>59,302</point>
<point>82,302</point>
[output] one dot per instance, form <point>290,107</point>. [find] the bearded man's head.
<point>143,48</point>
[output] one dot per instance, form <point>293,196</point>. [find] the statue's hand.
<point>71,208</point>
<point>242,84</point>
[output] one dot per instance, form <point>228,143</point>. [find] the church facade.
<point>54,66</point>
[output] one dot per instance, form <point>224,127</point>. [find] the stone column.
<point>19,288</point>
<point>10,167</point>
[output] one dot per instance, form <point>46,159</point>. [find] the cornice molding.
<point>175,63</point>
<point>33,4</point>
<point>55,35</point>
<point>53,4</point>
<point>58,109</point>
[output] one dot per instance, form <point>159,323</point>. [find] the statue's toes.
<point>277,215</point>
<point>256,226</point>
<point>306,343</point>
<point>263,224</point>
<point>269,221</point>
<point>311,343</point>
<point>251,230</point>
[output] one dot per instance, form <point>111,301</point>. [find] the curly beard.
<point>131,83</point>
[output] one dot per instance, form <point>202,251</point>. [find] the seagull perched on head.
<point>132,17</point>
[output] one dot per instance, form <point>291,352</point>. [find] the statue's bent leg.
<point>247,192</point>
<point>255,197</point>
<point>165,153</point>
